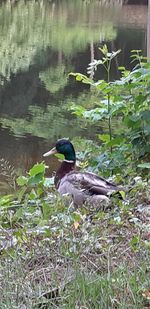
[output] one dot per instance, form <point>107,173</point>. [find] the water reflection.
<point>40,43</point>
<point>27,29</point>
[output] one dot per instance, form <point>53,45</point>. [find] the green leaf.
<point>104,137</point>
<point>120,107</point>
<point>77,110</point>
<point>116,141</point>
<point>35,179</point>
<point>136,51</point>
<point>6,200</point>
<point>114,54</point>
<point>32,195</point>
<point>48,182</point>
<point>21,193</point>
<point>134,242</point>
<point>76,216</point>
<point>96,114</point>
<point>22,180</point>
<point>144,165</point>
<point>122,194</point>
<point>104,49</point>
<point>39,192</point>
<point>78,78</point>
<point>19,214</point>
<point>81,77</point>
<point>146,115</point>
<point>121,68</point>
<point>46,210</point>
<point>37,169</point>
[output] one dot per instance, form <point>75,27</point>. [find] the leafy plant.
<point>33,183</point>
<point>124,105</point>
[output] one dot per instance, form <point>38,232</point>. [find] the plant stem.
<point>109,122</point>
<point>108,100</point>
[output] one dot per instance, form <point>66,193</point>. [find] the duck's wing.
<point>68,186</point>
<point>86,182</point>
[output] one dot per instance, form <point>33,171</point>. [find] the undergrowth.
<point>56,256</point>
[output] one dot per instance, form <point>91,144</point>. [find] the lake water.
<point>40,43</point>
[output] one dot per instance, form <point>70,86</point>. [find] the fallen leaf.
<point>76,224</point>
<point>146,294</point>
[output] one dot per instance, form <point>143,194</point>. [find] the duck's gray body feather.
<point>86,187</point>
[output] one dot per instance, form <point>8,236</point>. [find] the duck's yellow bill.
<point>51,152</point>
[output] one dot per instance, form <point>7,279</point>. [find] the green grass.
<point>122,290</point>
<point>55,256</point>
<point>37,275</point>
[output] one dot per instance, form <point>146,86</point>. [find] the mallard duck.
<point>82,186</point>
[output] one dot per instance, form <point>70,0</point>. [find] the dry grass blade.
<point>8,172</point>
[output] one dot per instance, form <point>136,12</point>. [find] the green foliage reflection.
<point>27,28</point>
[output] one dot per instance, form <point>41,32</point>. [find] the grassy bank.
<point>55,256</point>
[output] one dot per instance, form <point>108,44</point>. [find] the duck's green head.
<point>65,147</point>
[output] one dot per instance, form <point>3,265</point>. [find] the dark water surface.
<point>40,43</point>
